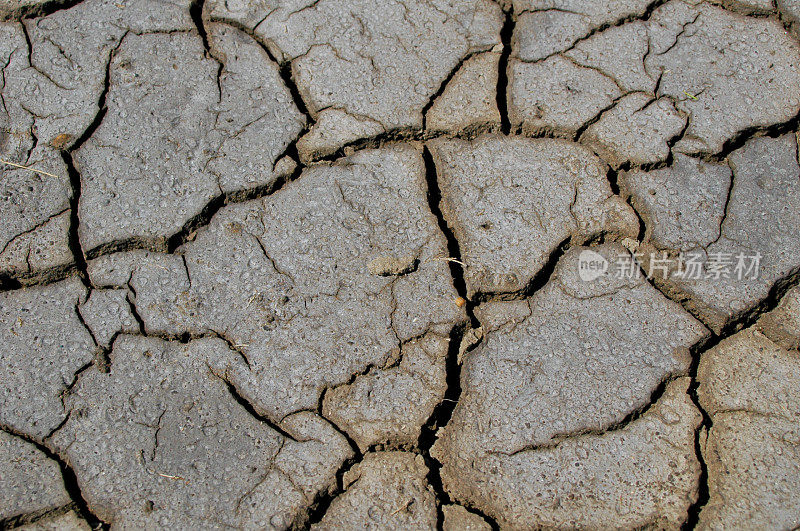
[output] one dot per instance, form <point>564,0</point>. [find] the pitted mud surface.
<point>399,264</point>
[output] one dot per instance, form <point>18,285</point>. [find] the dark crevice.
<point>642,234</point>
<point>102,353</point>
<point>789,24</point>
<point>285,72</point>
<point>196,12</point>
<point>434,197</point>
<point>637,413</point>
<point>42,516</point>
<point>443,86</point>
<point>204,217</point>
<point>350,441</point>
<point>539,280</point>
<point>748,317</point>
<point>741,8</point>
<point>73,236</point>
<point>233,347</point>
<point>68,475</point>
<point>242,401</point>
<point>74,240</point>
<point>171,243</point>
<point>440,417</point>
<point>134,310</point>
<point>671,142</point>
<point>542,278</point>
<point>350,381</point>
<point>33,229</point>
<point>208,212</point>
<point>444,409</point>
<point>627,166</point>
<point>69,387</point>
<point>797,146</point>
<point>199,220</point>
<point>693,513</point>
<point>443,412</point>
<point>10,281</point>
<point>632,416</point>
<point>291,152</point>
<point>743,136</point>
<point>643,16</point>
<point>488,519</point>
<point>184,338</point>
<point>393,446</point>
<point>506,35</point>
<point>726,206</point>
<point>40,10</point>
<point>622,191</point>
<point>154,245</point>
<point>69,413</point>
<point>28,42</point>
<point>597,117</point>
<point>220,71</point>
<point>322,501</point>
<point>678,298</point>
<point>613,180</point>
<point>676,40</point>
<point>288,79</point>
<point>284,67</point>
<point>393,135</point>
<point>30,518</point>
<point>102,107</point>
<point>406,135</point>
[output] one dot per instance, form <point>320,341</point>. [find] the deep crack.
<point>443,86</point>
<point>739,139</point>
<point>453,247</point>
<point>693,513</point>
<point>537,282</point>
<point>68,475</point>
<point>323,500</point>
<point>440,417</point>
<point>40,10</point>
<point>196,12</point>
<point>250,408</point>
<point>74,239</point>
<point>20,520</point>
<point>443,411</point>
<point>506,35</point>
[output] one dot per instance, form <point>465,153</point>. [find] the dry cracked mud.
<point>403,264</point>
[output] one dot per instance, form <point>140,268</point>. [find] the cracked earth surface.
<point>294,264</point>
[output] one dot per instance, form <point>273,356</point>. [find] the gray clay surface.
<point>401,264</point>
